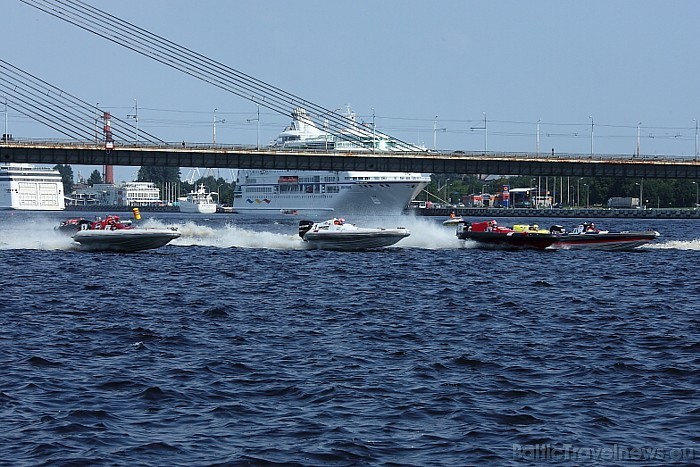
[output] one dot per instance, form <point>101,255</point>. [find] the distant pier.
<point>650,213</point>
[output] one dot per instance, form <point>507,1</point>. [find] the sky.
<point>628,66</point>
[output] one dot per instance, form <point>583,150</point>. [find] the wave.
<point>39,234</point>
<point>675,245</point>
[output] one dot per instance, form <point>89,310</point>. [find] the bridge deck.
<point>247,157</point>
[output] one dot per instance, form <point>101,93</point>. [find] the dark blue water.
<point>235,346</point>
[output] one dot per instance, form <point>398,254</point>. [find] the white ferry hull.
<point>371,198</point>
<point>31,188</point>
<point>347,193</point>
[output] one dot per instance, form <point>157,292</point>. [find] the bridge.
<point>251,157</point>
<point>124,145</point>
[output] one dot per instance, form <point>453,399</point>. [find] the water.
<point>233,345</point>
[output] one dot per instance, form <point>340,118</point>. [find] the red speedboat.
<point>587,236</point>
<point>584,236</point>
<point>490,233</point>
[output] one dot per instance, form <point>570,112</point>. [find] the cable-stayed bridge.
<point>95,138</point>
<point>245,157</point>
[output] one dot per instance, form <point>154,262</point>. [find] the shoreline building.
<point>132,194</point>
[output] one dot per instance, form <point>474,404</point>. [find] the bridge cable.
<point>201,67</point>
<point>36,97</point>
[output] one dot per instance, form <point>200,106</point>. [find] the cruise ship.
<point>343,192</point>
<point>30,187</point>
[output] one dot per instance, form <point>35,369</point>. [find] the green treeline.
<point>571,191</point>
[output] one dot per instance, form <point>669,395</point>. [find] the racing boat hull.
<point>584,237</point>
<point>517,240</point>
<point>335,234</point>
<point>355,240</point>
<point>605,241</point>
<point>124,240</point>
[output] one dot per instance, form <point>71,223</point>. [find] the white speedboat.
<point>453,220</point>
<point>111,234</point>
<point>336,234</point>
<point>199,201</point>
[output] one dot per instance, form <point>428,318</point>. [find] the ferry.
<point>354,193</point>
<point>315,192</point>
<point>30,187</point>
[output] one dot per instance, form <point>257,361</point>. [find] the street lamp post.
<point>257,132</point>
<point>97,120</point>
<point>5,136</point>
<point>578,192</point>
<point>435,134</point>
<point>696,194</point>
<point>218,193</point>
<point>486,133</point>
<point>696,138</point>
<point>638,125</point>
<point>213,127</point>
<point>641,192</point>
<point>374,132</point>
<point>591,117</point>
<point>447,182</point>
<point>135,116</point>
<point>435,130</point>
<point>588,194</point>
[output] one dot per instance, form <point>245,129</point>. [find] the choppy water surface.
<point>234,345</point>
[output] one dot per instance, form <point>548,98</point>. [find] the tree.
<point>158,175</point>
<point>95,178</point>
<point>66,172</point>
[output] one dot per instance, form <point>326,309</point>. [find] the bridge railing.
<point>194,146</point>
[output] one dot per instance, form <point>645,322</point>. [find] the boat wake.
<point>232,236</point>
<point>39,234</point>
<point>424,235</point>
<point>674,245</point>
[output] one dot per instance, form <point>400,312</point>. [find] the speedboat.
<point>336,234</point>
<point>584,236</point>
<point>112,234</point>
<point>587,236</point>
<point>73,225</point>
<point>453,220</point>
<point>491,234</point>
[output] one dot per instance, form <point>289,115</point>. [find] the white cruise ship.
<point>30,187</point>
<point>345,193</point>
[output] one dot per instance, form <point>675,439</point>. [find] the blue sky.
<point>557,62</point>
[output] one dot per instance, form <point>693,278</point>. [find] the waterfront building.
<point>134,194</point>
